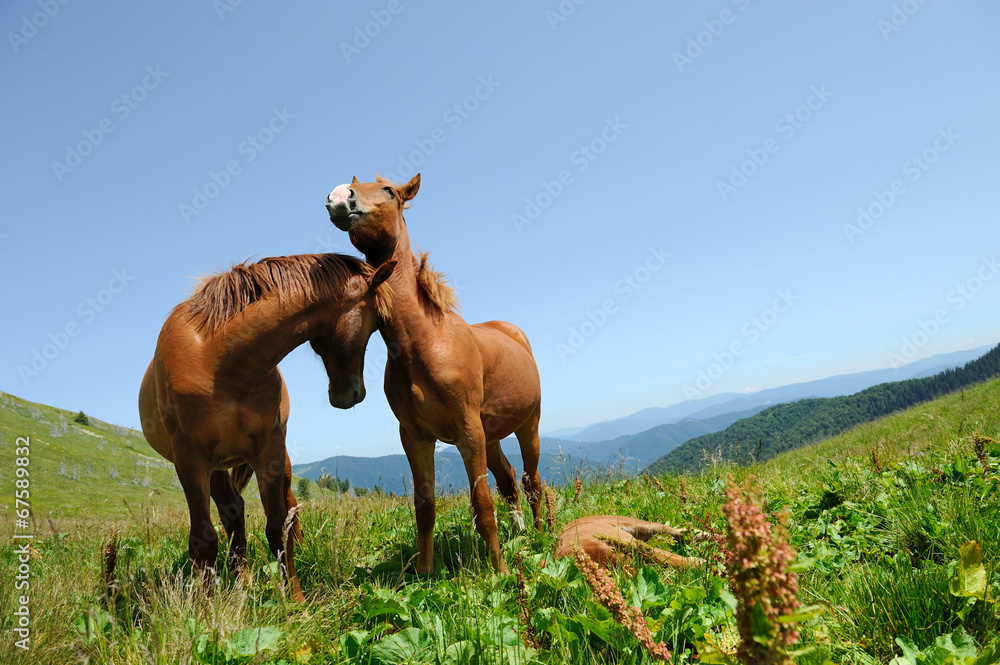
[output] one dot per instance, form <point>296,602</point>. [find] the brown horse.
<point>470,386</point>
<point>213,397</point>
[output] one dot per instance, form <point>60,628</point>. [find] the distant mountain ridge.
<point>795,424</point>
<point>392,472</point>
<point>562,458</point>
<point>708,407</point>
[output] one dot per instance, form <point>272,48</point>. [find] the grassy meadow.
<point>896,524</point>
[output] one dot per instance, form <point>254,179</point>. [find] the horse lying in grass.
<point>446,380</point>
<point>213,398</point>
<point>608,539</point>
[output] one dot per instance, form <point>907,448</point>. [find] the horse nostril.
<point>353,195</point>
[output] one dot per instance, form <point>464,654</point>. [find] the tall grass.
<point>879,547</point>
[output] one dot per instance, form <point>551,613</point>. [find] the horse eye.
<point>390,191</point>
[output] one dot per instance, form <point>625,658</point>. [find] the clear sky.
<point>671,199</point>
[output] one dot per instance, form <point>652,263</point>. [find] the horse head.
<point>371,212</point>
<point>342,346</point>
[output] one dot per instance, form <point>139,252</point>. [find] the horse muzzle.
<point>345,400</point>
<point>342,204</point>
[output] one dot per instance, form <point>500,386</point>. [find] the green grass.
<point>879,550</point>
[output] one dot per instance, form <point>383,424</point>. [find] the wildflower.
<point>550,508</point>
<point>110,555</point>
<point>683,492</point>
<point>759,577</point>
<point>529,638</point>
<point>609,596</point>
<point>655,481</point>
<point>876,462</point>
<point>578,485</point>
<point>979,444</point>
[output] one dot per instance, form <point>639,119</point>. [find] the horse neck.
<point>256,340</point>
<point>410,324</point>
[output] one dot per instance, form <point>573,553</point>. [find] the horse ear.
<point>355,181</point>
<point>410,189</point>
<point>382,274</point>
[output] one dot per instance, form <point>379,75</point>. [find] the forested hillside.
<point>789,426</point>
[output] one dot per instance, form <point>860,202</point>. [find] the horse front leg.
<point>274,479</point>
<point>473,449</point>
<point>420,455</point>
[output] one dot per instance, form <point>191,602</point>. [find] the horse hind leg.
<point>503,471</point>
<point>228,500</point>
<point>472,446</point>
<point>527,437</point>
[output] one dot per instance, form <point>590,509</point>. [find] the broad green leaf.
<point>251,641</point>
<point>955,648</point>
<point>729,599</point>
<point>969,579</point>
<point>402,647</point>
<point>647,590</point>
<point>910,652</point>
<point>989,656</point>
<point>590,623</point>
<point>352,642</point>
<point>460,653</point>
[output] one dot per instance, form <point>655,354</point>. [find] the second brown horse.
<point>213,397</point>
<point>445,380</point>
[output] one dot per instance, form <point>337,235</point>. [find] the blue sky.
<point>746,193</point>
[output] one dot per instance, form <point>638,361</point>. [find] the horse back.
<point>510,330</point>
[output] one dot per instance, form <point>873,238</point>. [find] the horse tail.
<point>241,476</point>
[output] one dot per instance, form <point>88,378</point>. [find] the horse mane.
<point>217,298</point>
<point>434,285</point>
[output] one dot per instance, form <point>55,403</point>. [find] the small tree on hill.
<point>303,488</point>
<point>82,419</point>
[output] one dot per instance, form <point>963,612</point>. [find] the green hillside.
<point>790,426</point>
<point>95,470</point>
